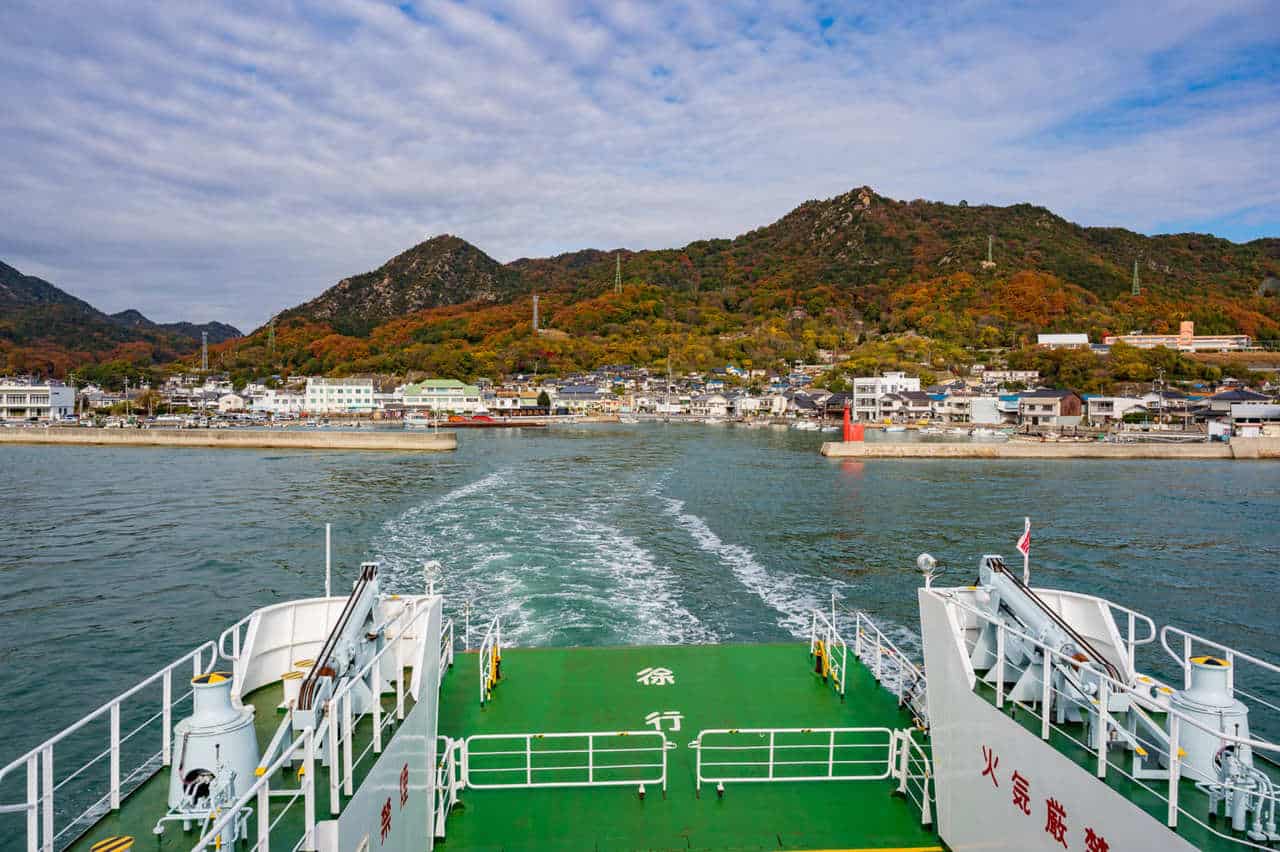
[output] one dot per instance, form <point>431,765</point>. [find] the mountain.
<point>883,282</point>
<point>217,331</point>
<point>46,330</point>
<point>442,271</point>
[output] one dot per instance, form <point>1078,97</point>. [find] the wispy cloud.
<point>205,160</point>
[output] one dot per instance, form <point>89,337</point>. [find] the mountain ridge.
<point>46,330</point>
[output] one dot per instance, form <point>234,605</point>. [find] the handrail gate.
<point>490,659</point>
<point>449,780</point>
<point>915,774</point>
<point>828,649</point>
<point>577,759</point>
<point>741,755</point>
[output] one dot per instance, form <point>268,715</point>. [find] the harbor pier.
<point>310,439</point>
<point>1237,448</point>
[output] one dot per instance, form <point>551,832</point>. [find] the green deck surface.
<point>718,686</point>
<point>562,690</point>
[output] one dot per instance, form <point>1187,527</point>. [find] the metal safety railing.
<point>828,648</point>
<point>334,739</point>
<point>575,759</point>
<point>490,659</point>
<point>891,668</point>
<point>449,781</point>
<point>752,755</point>
<point>58,809</point>
<point>914,771</point>
<point>1094,720</point>
<point>1191,645</point>
<point>446,647</point>
<point>256,802</point>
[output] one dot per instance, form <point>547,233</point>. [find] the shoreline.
<point>400,441</point>
<point>1237,449</point>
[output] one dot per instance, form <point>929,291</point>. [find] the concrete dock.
<point>309,439</point>
<point>1238,448</point>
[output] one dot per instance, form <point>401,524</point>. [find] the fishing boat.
<point>421,421</point>
<point>366,721</point>
<point>895,428</point>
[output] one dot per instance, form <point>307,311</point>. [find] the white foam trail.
<point>779,593</point>
<point>528,551</point>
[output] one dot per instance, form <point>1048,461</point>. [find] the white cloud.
<point>210,161</point>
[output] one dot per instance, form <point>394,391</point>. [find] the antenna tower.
<point>990,239</point>
<point>535,313</point>
<point>271,336</point>
<point>617,274</point>
<point>204,351</point>
<point>1137,288</point>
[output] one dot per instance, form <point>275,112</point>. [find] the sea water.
<point>114,561</point>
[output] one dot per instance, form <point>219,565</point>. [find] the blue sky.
<point>224,161</point>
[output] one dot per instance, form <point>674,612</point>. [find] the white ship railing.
<point>573,759</point>
<point>915,774</point>
<point>490,658</point>
<point>1164,780</point>
<point>334,737</point>
<point>448,780</point>
<point>256,800</point>
<point>446,648</point>
<point>891,668</point>
<point>1193,645</point>
<point>81,796</point>
<point>756,755</point>
<point>342,720</point>
<point>823,630</point>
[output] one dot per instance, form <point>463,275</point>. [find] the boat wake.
<point>553,567</point>
<point>779,593</point>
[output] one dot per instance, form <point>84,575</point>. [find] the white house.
<point>339,396</point>
<point>869,393</point>
<point>26,401</point>
<point>746,405</point>
<point>279,402</point>
<point>443,395</point>
<point>1108,409</point>
<point>231,402</point>
<point>709,405</point>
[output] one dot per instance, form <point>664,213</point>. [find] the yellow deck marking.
<point>113,844</point>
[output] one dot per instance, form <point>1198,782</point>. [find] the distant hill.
<point>217,331</point>
<point>46,330</point>
<point>830,275</point>
<point>442,271</point>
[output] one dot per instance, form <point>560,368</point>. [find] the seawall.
<point>236,439</point>
<point>1238,448</point>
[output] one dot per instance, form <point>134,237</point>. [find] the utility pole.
<point>535,313</point>
<point>617,274</point>
<point>204,351</point>
<point>990,239</point>
<point>1137,288</point>
<point>271,337</point>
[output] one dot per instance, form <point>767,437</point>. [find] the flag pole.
<point>1026,555</point>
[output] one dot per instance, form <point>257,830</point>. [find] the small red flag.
<point>1024,543</point>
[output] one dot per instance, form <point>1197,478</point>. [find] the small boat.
<point>895,428</point>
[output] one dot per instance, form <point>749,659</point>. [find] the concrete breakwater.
<point>237,439</point>
<point>1238,448</point>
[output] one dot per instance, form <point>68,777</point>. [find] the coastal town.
<point>986,402</point>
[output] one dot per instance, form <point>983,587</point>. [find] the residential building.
<point>868,393</point>
<point>443,395</point>
<point>709,405</point>
<point>1218,406</point>
<point>1041,408</point>
<point>1006,377</point>
<point>1255,420</point>
<point>1185,340</point>
<point>278,402</point>
<point>22,400</point>
<point>745,405</point>
<point>1063,341</point>
<point>231,402</point>
<point>1103,410</point>
<point>339,396</point>
<point>907,405</point>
